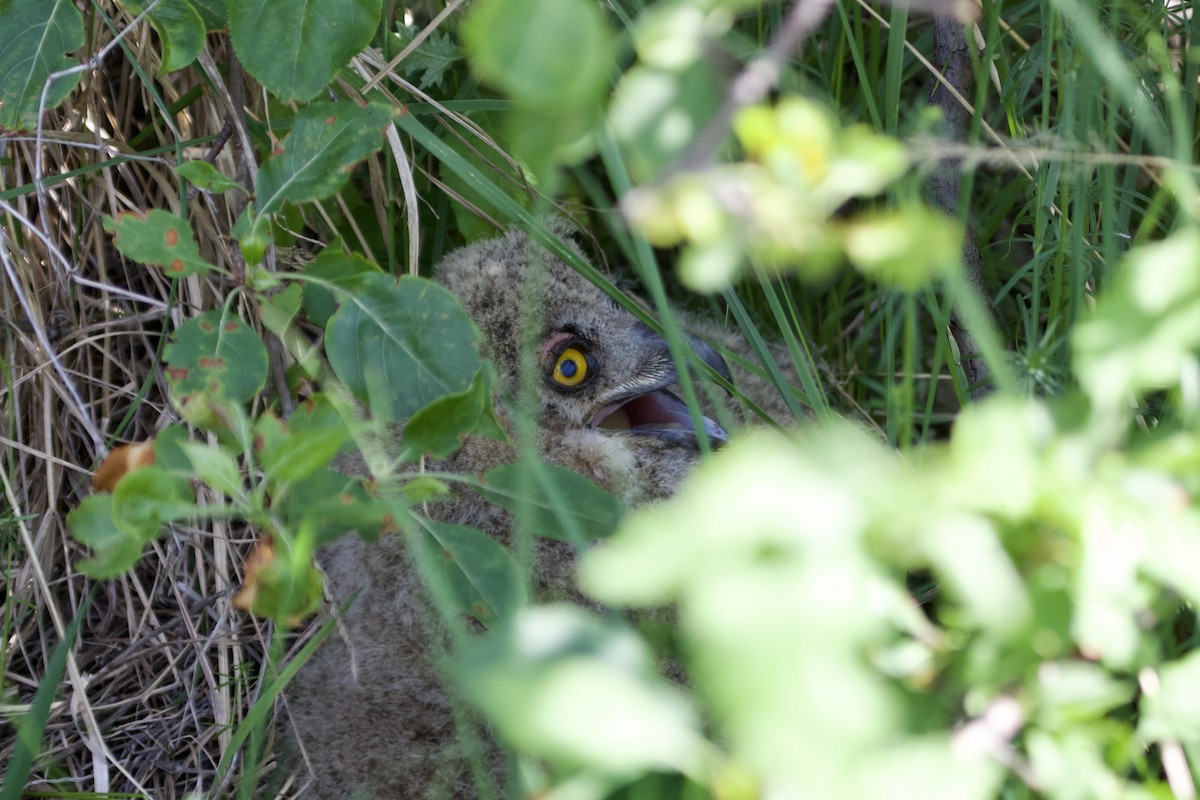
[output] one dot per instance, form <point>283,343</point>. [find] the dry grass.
<point>164,669</point>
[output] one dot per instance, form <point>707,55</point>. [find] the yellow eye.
<point>571,368</point>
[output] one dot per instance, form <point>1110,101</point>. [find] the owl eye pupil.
<point>568,369</point>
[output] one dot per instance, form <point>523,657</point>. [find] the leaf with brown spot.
<point>159,238</point>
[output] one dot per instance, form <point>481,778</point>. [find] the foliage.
<point>1053,654</point>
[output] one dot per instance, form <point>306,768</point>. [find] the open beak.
<point>647,408</point>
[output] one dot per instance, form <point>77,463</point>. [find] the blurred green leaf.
<point>146,498</point>
<point>906,248</point>
<point>279,310</point>
<point>158,238</point>
<point>305,46</point>
<point>656,112</point>
<point>553,501</point>
<point>215,467</point>
<point>1170,711</point>
<point>1146,328</point>
<point>314,160</point>
<point>400,346</point>
<point>114,550</point>
<point>314,434</point>
<point>547,55</point>
<point>565,686</point>
<point>41,35</point>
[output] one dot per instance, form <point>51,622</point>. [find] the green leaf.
<point>179,26</point>
<point>562,685</point>
<point>554,502</point>
<point>314,160</point>
<point>213,13</point>
<point>657,112</point>
<point>159,238</point>
<point>1172,713</point>
<point>546,54</point>
<point>215,467</point>
<point>906,248</point>
<point>1145,328</point>
<point>400,346</point>
<point>278,310</point>
<point>207,177</point>
<point>296,50</point>
<point>331,266</point>
<point>338,505</point>
<point>146,498</point>
<point>432,58</point>
<point>314,434</point>
<point>438,428</point>
<point>480,577</point>
<point>114,550</point>
<point>218,354</point>
<point>38,35</point>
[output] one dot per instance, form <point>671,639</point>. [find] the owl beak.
<point>649,409</point>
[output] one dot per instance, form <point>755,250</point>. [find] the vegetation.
<point>913,590</point>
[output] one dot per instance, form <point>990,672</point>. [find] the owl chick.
<point>370,713</point>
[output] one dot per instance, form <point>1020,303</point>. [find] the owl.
<point>370,714</point>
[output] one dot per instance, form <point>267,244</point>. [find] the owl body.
<point>370,712</point>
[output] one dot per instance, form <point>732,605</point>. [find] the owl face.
<point>599,367</point>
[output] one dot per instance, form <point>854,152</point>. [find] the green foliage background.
<point>906,591</point>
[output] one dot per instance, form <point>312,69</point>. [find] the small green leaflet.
<point>431,59</point>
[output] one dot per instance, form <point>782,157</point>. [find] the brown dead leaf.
<point>119,462</point>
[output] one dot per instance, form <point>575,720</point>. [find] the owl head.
<point>599,369</point>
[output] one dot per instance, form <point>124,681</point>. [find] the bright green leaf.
<point>314,160</point>
<point>38,36</point>
<point>159,238</point>
<point>553,501</point>
<point>399,346</point>
<point>295,50</point>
